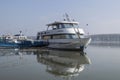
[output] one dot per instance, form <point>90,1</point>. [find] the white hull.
<point>69,44</point>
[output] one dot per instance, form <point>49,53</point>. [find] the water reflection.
<point>14,58</point>
<point>66,64</point>
<point>63,63</point>
<point>20,52</point>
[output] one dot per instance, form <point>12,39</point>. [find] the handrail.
<point>76,32</point>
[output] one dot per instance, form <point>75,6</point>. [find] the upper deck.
<point>62,27</point>
<point>62,22</point>
<point>65,27</point>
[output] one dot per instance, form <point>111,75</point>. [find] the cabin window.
<point>73,36</point>
<point>54,27</point>
<point>59,36</point>
<point>65,36</point>
<point>60,26</point>
<point>75,25</point>
<point>67,25</point>
<point>46,37</point>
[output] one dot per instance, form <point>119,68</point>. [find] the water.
<point>95,63</point>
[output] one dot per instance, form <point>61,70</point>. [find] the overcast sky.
<point>31,16</point>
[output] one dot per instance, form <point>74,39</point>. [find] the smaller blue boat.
<point>33,43</point>
<point>8,45</point>
<point>20,41</point>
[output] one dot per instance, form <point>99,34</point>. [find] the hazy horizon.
<point>31,16</point>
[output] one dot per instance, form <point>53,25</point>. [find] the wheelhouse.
<point>61,25</point>
<point>61,30</point>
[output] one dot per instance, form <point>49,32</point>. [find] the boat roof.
<point>62,22</point>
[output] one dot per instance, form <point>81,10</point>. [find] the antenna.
<point>67,17</point>
<point>20,33</point>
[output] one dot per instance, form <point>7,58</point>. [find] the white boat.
<point>65,34</point>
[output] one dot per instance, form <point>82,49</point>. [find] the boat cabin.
<point>20,36</point>
<point>61,30</point>
<point>63,24</point>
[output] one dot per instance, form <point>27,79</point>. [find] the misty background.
<point>31,16</point>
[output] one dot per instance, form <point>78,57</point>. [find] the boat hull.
<point>8,45</point>
<point>23,44</point>
<point>69,44</point>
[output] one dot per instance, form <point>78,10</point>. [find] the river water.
<point>95,63</point>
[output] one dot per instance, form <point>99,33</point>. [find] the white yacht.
<point>65,34</point>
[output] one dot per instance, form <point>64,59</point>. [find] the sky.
<point>31,16</point>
